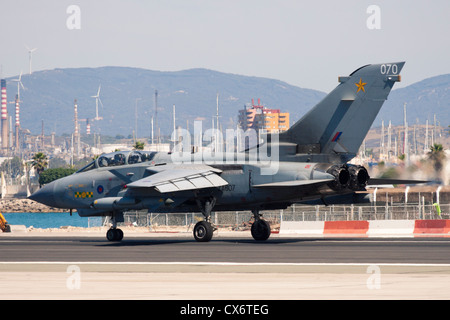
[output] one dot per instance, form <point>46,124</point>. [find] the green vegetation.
<point>436,155</point>
<point>50,175</point>
<point>40,162</point>
<point>138,145</point>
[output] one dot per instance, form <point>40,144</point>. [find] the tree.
<point>436,155</point>
<point>57,163</point>
<point>50,175</point>
<point>13,166</point>
<point>138,145</point>
<point>39,162</point>
<point>436,148</point>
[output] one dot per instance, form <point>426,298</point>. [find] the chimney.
<point>17,122</point>
<point>4,117</point>
<point>88,127</point>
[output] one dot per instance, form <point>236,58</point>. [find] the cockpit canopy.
<point>119,158</point>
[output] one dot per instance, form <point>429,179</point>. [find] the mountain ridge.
<point>49,96</point>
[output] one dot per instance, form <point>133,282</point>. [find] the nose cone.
<point>45,195</point>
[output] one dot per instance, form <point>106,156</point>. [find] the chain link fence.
<point>242,220</point>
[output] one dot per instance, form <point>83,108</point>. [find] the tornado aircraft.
<point>308,162</point>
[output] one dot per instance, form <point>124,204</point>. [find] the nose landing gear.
<point>203,230</point>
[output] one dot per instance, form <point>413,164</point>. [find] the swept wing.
<point>171,178</point>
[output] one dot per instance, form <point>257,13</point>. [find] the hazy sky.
<point>304,43</point>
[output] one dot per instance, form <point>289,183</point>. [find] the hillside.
<point>423,99</point>
<point>49,96</point>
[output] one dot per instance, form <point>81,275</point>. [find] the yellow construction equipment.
<point>4,224</point>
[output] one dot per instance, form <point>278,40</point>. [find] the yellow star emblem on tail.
<point>360,85</point>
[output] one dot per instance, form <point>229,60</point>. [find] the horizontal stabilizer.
<point>293,183</point>
<point>381,181</point>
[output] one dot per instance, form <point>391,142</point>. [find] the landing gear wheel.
<point>203,231</point>
<point>114,234</point>
<point>119,234</point>
<point>260,230</point>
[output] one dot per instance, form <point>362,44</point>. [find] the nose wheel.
<point>203,231</point>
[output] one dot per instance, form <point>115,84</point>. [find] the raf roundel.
<point>100,189</point>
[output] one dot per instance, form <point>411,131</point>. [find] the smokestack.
<point>4,117</point>
<point>76,134</point>
<point>156,116</point>
<point>17,122</point>
<point>10,134</point>
<point>88,127</point>
<point>75,107</point>
<point>17,111</point>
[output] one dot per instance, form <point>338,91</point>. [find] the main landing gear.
<point>114,233</point>
<point>260,228</point>
<point>203,230</point>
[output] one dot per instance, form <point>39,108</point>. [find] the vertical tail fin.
<point>339,123</point>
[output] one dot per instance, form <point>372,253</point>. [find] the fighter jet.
<point>309,161</point>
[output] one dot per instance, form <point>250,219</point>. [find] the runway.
<point>148,248</point>
<point>176,267</point>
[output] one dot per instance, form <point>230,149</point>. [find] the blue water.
<point>47,220</point>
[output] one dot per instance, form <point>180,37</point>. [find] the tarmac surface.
<point>173,266</point>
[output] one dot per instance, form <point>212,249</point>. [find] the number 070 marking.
<point>389,68</point>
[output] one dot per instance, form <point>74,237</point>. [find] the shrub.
<point>50,175</point>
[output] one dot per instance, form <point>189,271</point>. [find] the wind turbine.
<point>97,100</point>
<point>30,53</point>
<point>19,84</point>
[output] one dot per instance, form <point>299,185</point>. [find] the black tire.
<point>111,234</point>
<point>114,235</point>
<point>203,231</point>
<point>119,235</point>
<point>260,230</point>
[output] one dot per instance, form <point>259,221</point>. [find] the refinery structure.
<point>16,141</point>
<point>82,143</point>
